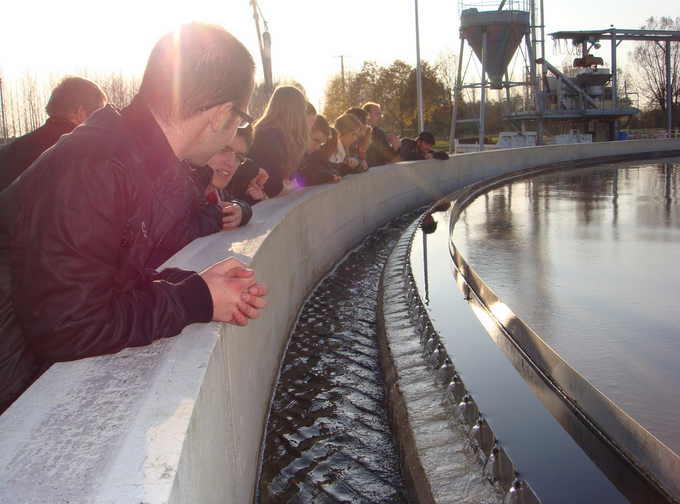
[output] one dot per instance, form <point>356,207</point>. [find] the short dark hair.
<point>70,93</point>
<point>320,124</point>
<point>426,137</point>
<point>311,109</point>
<point>359,113</point>
<point>246,133</point>
<point>198,68</point>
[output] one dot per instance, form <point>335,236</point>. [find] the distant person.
<point>364,144</point>
<point>420,148</point>
<point>348,128</point>
<point>78,229</point>
<point>280,139</point>
<point>385,146</point>
<point>362,117</point>
<point>311,115</point>
<point>313,168</point>
<point>73,100</point>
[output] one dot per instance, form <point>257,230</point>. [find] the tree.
<point>394,88</point>
<point>446,66</point>
<point>649,62</point>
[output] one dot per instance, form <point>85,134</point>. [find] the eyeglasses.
<point>316,141</point>
<point>240,158</point>
<point>245,118</point>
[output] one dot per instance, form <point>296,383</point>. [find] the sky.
<point>308,36</point>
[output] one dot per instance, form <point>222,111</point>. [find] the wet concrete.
<point>328,437</point>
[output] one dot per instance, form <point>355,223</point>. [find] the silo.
<point>494,31</point>
<point>504,31</point>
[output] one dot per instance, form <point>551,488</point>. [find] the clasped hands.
<point>235,292</point>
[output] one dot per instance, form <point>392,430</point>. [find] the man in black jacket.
<point>78,229</point>
<point>72,101</point>
<point>420,148</point>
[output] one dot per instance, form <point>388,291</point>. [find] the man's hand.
<point>429,155</point>
<point>229,281</point>
<point>252,301</point>
<point>364,165</point>
<point>232,213</point>
<point>336,179</point>
<point>394,141</point>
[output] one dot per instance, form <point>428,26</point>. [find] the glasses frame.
<point>245,118</point>
<point>236,157</point>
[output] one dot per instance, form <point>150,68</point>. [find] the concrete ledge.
<point>183,419</point>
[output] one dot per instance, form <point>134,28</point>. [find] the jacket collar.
<point>140,120</point>
<point>62,121</point>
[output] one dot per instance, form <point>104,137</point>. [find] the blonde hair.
<point>346,123</point>
<point>287,112</point>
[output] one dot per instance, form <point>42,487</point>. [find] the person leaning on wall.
<point>72,101</point>
<point>419,148</point>
<point>78,229</point>
<point>384,147</point>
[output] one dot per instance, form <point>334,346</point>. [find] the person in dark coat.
<point>72,101</point>
<point>384,147</point>
<point>79,227</point>
<point>280,139</point>
<point>314,170</point>
<point>420,148</point>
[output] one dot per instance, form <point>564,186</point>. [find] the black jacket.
<point>16,157</point>
<point>205,219</point>
<point>313,170</point>
<point>238,185</point>
<point>380,152</point>
<point>409,152</point>
<point>76,235</point>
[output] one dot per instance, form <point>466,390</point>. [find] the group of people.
<point>291,146</point>
<point>96,199</point>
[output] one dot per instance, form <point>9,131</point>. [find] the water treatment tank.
<point>504,29</point>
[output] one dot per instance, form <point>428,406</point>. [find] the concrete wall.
<point>182,420</point>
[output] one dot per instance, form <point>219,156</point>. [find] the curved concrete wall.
<point>183,419</point>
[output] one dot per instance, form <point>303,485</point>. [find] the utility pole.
<point>342,70</point>
<point>419,75</point>
<point>265,42</point>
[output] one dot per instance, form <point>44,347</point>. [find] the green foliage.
<point>395,89</point>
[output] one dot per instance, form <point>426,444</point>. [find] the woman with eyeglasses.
<point>280,139</point>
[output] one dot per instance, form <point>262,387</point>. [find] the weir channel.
<point>183,420</point>
<point>523,234</point>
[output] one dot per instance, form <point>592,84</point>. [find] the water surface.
<point>590,260</point>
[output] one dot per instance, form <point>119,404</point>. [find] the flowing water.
<point>328,437</point>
